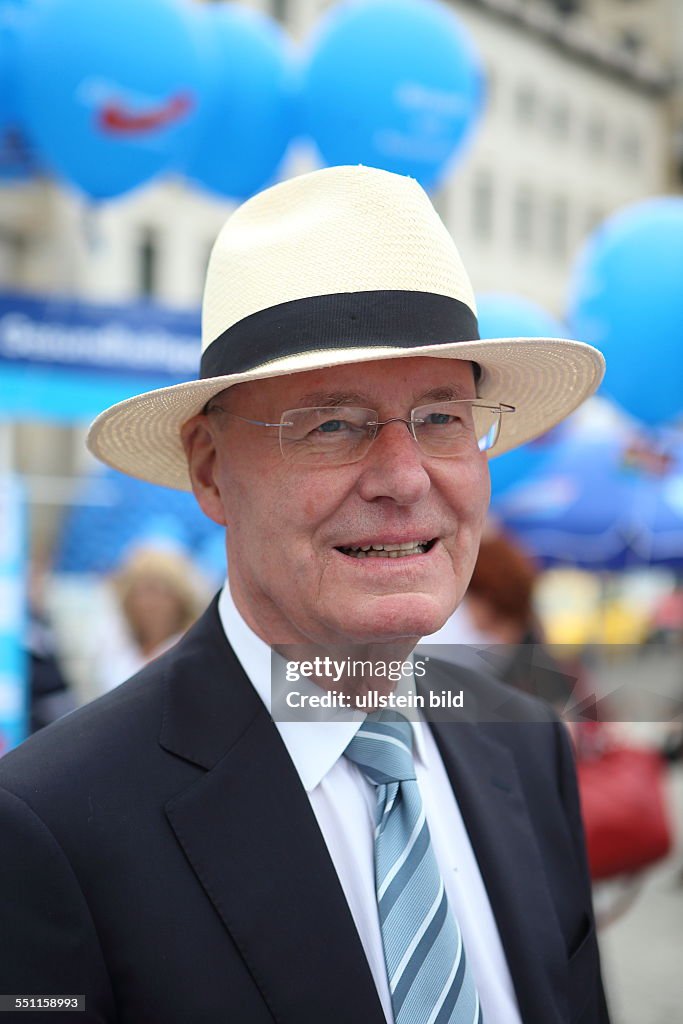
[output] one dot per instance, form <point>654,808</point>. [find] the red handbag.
<point>624,807</point>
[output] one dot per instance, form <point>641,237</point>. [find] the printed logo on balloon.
<point>396,84</point>
<point>109,91</point>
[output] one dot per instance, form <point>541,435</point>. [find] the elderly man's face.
<point>288,523</point>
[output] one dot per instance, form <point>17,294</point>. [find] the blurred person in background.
<point>497,627</point>
<point>50,695</point>
<point>500,605</point>
<point>501,592</point>
<point>157,595</point>
<point>620,787</point>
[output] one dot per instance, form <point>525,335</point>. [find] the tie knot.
<point>383,749</point>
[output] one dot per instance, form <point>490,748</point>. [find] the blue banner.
<point>13,662</point>
<point>69,360</point>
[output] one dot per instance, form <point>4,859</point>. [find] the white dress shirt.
<point>343,802</point>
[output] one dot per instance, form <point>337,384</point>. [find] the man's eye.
<point>333,426</point>
<point>439,419</point>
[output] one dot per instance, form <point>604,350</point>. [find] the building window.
<point>566,7</point>
<point>278,8</point>
<point>630,147</point>
<point>523,217</point>
<point>632,41</point>
<point>559,119</point>
<point>596,134</point>
<point>441,202</point>
<point>594,217</point>
<point>558,227</point>
<point>526,103</point>
<point>482,205</point>
<point>148,262</point>
<point>678,155</point>
<point>14,249</point>
<point>490,87</point>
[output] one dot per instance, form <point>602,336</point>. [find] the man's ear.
<point>200,451</point>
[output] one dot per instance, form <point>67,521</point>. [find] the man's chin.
<point>395,617</point>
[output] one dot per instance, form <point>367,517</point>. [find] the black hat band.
<point>401,319</point>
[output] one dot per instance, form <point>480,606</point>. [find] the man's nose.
<point>394,467</point>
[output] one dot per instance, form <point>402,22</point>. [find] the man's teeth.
<point>411,547</point>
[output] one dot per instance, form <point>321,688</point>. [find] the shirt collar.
<point>314,747</point>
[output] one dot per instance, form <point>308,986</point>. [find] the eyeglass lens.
<point>343,434</point>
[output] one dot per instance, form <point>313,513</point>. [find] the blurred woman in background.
<point>158,596</point>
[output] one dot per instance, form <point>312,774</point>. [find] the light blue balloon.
<point>502,315</point>
<point>109,89</point>
<point>627,299</point>
<point>247,120</point>
<point>396,84</point>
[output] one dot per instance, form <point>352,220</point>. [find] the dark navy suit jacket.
<point>159,855</point>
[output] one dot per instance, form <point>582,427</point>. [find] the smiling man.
<point>299,507</point>
<point>172,853</point>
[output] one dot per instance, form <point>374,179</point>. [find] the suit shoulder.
<point>105,746</point>
<point>527,726</point>
<point>106,728</point>
<point>485,697</point>
<point>113,727</point>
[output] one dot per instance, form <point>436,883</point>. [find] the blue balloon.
<point>396,84</point>
<point>502,315</point>
<point>109,89</point>
<point>512,467</point>
<point>10,24</point>
<point>18,162</point>
<point>627,299</point>
<point>246,122</point>
<point>510,316</point>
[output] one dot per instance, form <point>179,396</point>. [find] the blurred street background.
<point>641,952</point>
<point>549,134</point>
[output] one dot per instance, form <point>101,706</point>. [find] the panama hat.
<point>342,265</point>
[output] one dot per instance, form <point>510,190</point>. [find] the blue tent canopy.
<point>115,512</point>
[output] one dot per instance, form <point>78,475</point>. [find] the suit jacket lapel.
<point>484,777</point>
<point>249,833</point>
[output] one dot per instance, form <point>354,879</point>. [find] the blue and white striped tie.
<point>429,978</point>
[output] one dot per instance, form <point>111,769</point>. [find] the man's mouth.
<point>411,547</point>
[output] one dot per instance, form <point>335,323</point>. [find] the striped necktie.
<point>429,978</point>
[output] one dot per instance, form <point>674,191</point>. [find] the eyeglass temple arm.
<point>258,423</point>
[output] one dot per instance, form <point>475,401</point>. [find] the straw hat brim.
<point>544,378</point>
